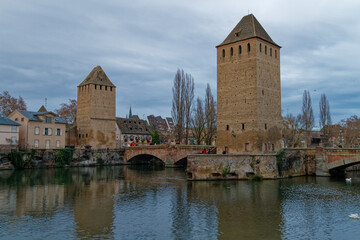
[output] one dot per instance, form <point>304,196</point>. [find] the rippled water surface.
<point>146,203</point>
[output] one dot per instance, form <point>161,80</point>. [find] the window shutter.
<point>44,131</point>
<point>60,132</point>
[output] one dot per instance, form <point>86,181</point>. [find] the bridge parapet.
<point>169,154</point>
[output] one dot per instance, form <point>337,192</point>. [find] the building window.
<point>22,119</point>
<point>260,47</point>
<point>95,86</point>
<point>47,144</point>
<point>16,119</point>
<point>100,87</point>
<point>58,131</point>
<point>262,92</point>
<point>13,129</point>
<point>265,50</point>
<point>270,52</point>
<point>275,53</point>
<point>79,136</point>
<point>231,51</point>
<point>37,130</point>
<point>243,126</point>
<point>48,119</point>
<point>223,53</point>
<point>57,143</point>
<point>247,147</point>
<point>272,147</point>
<point>227,127</point>
<point>13,140</point>
<point>105,88</point>
<point>248,47</point>
<point>265,126</point>
<point>265,146</point>
<point>50,131</point>
<point>36,143</point>
<point>110,88</point>
<point>239,49</point>
<point>46,131</point>
<point>86,135</point>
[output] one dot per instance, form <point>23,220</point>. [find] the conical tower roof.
<point>248,27</point>
<point>97,76</point>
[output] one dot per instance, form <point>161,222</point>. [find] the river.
<point>125,202</point>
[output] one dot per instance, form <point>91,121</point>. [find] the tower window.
<point>265,50</point>
<point>265,126</point>
<point>105,88</point>
<point>227,127</point>
<point>239,49</point>
<point>262,92</point>
<point>270,52</point>
<point>100,87</point>
<point>95,86</point>
<point>110,88</point>
<point>243,126</point>
<point>260,47</point>
<point>272,147</point>
<point>248,47</point>
<point>223,53</point>
<point>79,136</point>
<point>247,147</point>
<point>231,51</point>
<point>275,53</point>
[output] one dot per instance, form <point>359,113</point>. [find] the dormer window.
<point>48,119</point>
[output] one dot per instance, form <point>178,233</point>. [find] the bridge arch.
<point>181,162</point>
<point>142,159</point>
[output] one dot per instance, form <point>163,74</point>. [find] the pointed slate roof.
<point>42,109</point>
<point>248,27</point>
<point>97,76</point>
<point>7,121</point>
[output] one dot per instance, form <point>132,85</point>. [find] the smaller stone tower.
<point>95,117</point>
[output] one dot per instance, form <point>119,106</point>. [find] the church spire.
<point>130,114</point>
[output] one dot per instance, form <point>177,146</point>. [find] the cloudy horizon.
<point>47,48</point>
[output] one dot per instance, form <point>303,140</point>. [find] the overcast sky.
<point>48,47</point>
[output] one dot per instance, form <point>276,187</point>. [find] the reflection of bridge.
<point>167,154</point>
<point>332,161</point>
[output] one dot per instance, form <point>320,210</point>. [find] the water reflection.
<point>157,203</point>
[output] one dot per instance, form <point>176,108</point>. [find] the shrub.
<point>226,170</point>
<point>64,156</point>
<point>99,160</point>
<point>256,177</point>
<point>279,159</point>
<point>16,158</point>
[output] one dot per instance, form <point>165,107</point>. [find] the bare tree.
<point>210,116</point>
<point>68,111</point>
<point>189,98</point>
<point>8,104</point>
<point>325,117</point>
<point>292,130</point>
<point>351,131</point>
<point>178,104</point>
<point>307,116</point>
<point>198,122</point>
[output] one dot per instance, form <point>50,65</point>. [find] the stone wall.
<point>243,166</point>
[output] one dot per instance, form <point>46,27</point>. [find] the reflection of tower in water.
<point>93,204</point>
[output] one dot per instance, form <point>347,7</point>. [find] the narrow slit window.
<point>239,49</point>
<point>260,47</point>
<point>275,53</point>
<point>227,127</point>
<point>231,51</point>
<point>270,52</point>
<point>248,47</point>
<point>243,126</point>
<point>223,53</point>
<point>265,50</point>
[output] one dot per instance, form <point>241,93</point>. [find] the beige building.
<point>39,130</point>
<point>95,117</point>
<point>9,133</point>
<point>248,90</point>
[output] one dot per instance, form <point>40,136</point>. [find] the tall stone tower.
<point>248,90</point>
<point>95,117</point>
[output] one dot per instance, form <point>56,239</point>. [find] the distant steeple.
<point>130,114</point>
<point>42,109</point>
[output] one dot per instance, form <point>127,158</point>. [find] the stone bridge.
<point>170,155</point>
<point>331,161</point>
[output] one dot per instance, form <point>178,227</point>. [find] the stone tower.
<point>95,117</point>
<point>248,90</point>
